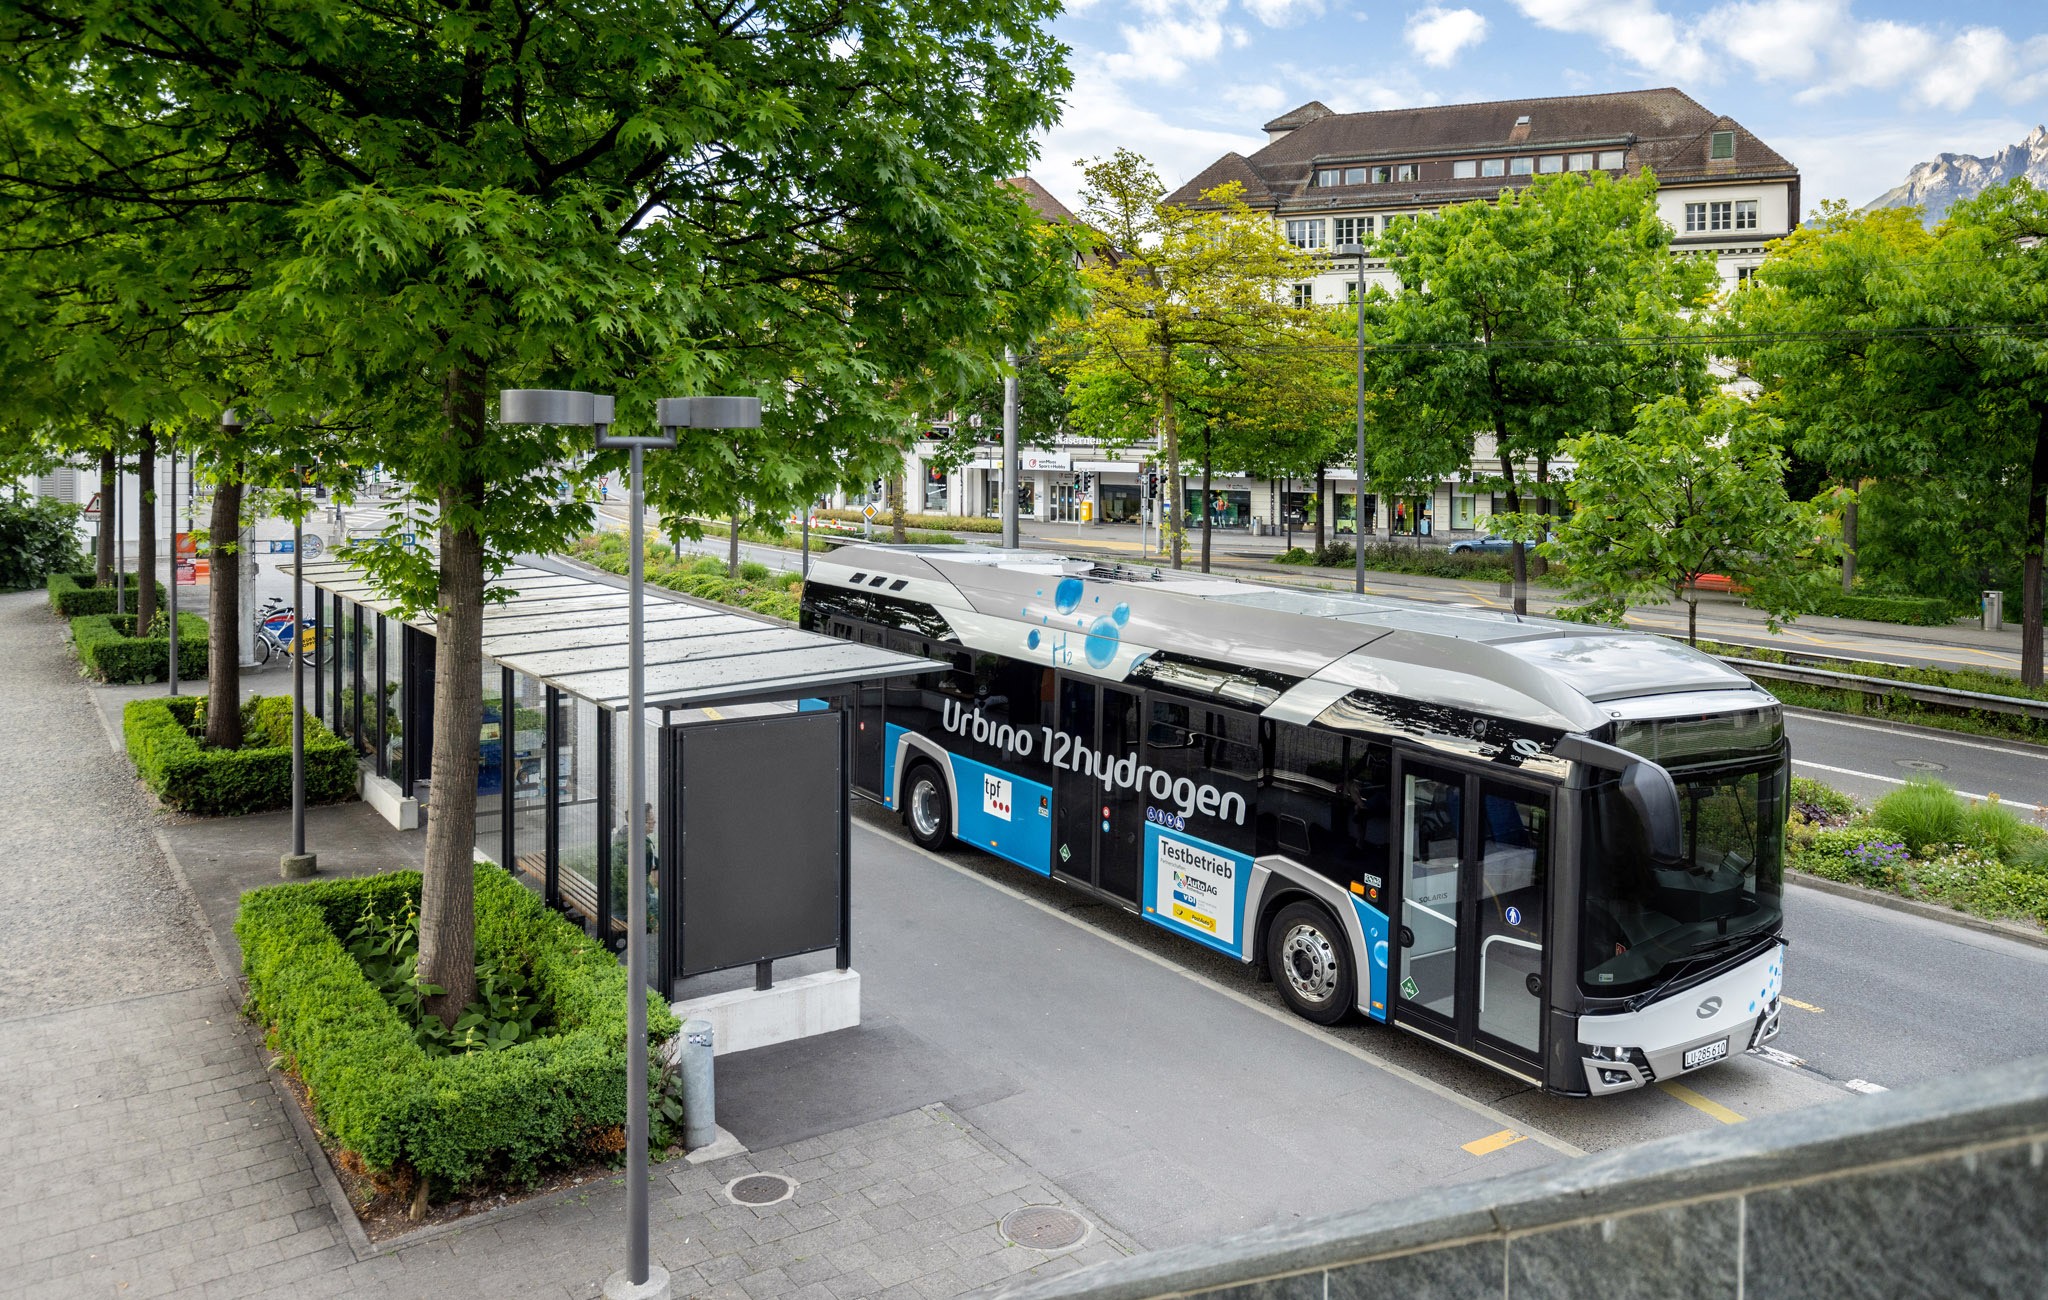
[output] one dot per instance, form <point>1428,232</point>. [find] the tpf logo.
<point>1708,1008</point>
<point>995,796</point>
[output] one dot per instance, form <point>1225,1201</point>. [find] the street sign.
<point>870,510</point>
<point>405,539</point>
<point>314,546</point>
<point>280,545</point>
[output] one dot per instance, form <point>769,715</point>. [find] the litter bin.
<point>1994,611</point>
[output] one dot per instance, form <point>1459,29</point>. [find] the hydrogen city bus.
<point>1554,848</point>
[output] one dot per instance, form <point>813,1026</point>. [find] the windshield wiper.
<point>1725,944</point>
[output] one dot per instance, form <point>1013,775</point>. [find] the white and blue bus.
<point>1554,848</point>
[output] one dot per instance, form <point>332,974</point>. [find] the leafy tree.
<point>1513,321</point>
<point>1690,489</point>
<point>648,198</point>
<point>1919,360</point>
<point>1167,278</point>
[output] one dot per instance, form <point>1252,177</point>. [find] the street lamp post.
<point>1012,479</point>
<point>1357,251</point>
<point>640,1279</point>
<point>171,625</point>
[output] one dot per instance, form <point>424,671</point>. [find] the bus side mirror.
<point>1645,787</point>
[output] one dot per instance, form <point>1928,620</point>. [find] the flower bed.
<point>163,739</point>
<point>108,647</point>
<point>75,594</point>
<point>511,1113</point>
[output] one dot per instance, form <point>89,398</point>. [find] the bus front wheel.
<point>926,809</point>
<point>1309,958</point>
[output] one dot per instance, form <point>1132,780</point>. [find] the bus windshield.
<point>1644,924</point>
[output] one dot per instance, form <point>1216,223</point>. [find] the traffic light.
<point>1151,482</point>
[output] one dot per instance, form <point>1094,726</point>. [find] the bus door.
<point>1098,833</point>
<point>1473,861</point>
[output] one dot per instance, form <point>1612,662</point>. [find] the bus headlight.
<point>1612,1065</point>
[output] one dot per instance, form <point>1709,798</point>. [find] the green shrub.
<point>38,537</point>
<point>458,1120</point>
<point>944,523</point>
<point>754,571</point>
<point>775,595</point>
<point>108,647</point>
<point>1862,854</point>
<point>75,594</point>
<point>1817,801</point>
<point>1972,881</point>
<point>1295,555</point>
<point>186,775</point>
<point>1921,611</point>
<point>1921,813</point>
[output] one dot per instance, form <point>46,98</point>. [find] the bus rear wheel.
<point>1310,960</point>
<point>926,809</point>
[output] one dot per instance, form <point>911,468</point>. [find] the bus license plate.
<point>1699,1056</point>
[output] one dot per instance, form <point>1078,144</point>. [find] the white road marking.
<point>1865,1086</point>
<point>1807,715</point>
<point>1776,1057</point>
<point>1893,780</point>
<point>1274,1014</point>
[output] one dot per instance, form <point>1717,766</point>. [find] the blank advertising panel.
<point>760,825</point>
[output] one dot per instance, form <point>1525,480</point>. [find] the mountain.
<point>1953,177</point>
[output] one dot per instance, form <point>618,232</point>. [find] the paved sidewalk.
<point>150,1152</point>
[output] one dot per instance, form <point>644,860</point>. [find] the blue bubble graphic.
<point>1122,614</point>
<point>1102,643</point>
<point>1067,596</point>
<point>1032,640</point>
<point>1379,954</point>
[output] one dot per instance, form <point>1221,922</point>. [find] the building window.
<point>1745,214</point>
<point>1329,176</point>
<point>1304,295</point>
<point>1351,291</point>
<point>1612,160</point>
<point>1351,230</point>
<point>1720,216</point>
<point>1379,175</point>
<point>1580,162</point>
<point>1305,234</point>
<point>1462,512</point>
<point>1695,217</point>
<point>1354,175</point>
<point>1521,166</point>
<point>1550,163</point>
<point>1493,167</point>
<point>1722,145</point>
<point>1465,169</point>
<point>1405,172</point>
<point>1743,275</point>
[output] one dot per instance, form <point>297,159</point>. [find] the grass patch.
<point>163,740</point>
<point>1422,561</point>
<point>944,523</point>
<point>1894,706</point>
<point>777,595</point>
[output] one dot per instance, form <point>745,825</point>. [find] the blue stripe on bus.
<point>811,705</point>
<point>1200,892</point>
<point>1374,922</point>
<point>1025,835</point>
<point>891,734</point>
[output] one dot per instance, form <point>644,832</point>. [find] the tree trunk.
<point>732,547</point>
<point>896,533</point>
<point>1208,514</point>
<point>1692,620</point>
<point>448,890</point>
<point>1538,565</point>
<point>1849,548</point>
<point>145,534</point>
<point>1322,505</point>
<point>1173,518</point>
<point>103,563</point>
<point>1520,553</point>
<point>2037,520</point>
<point>224,613</point>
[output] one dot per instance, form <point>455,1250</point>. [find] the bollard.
<point>700,1107</point>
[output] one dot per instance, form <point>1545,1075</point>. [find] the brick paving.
<point>148,1151</point>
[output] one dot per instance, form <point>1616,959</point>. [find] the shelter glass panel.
<point>391,637</point>
<point>490,766</point>
<point>528,784</point>
<point>620,840</point>
<point>578,828</point>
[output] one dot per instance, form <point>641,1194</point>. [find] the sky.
<point>1854,92</point>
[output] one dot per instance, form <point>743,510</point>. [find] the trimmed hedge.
<point>110,650</point>
<point>76,594</point>
<point>457,1120</point>
<point>1920,611</point>
<point>186,775</point>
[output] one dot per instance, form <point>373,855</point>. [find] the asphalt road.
<point>1867,759</point>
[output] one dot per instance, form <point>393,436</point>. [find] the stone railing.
<point>1935,1190</point>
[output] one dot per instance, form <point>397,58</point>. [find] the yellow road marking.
<point>1507,1137</point>
<point>1803,1006</point>
<point>714,715</point>
<point>1704,1105</point>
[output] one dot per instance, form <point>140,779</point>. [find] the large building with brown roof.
<point>1335,178</point>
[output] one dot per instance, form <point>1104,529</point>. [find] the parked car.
<point>1488,545</point>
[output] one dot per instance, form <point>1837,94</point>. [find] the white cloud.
<point>1266,99</point>
<point>1283,13</point>
<point>1636,30</point>
<point>1860,163</point>
<point>1173,35</point>
<point>1978,60</point>
<point>1101,117</point>
<point>1437,34</point>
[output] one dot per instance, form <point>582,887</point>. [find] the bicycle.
<point>278,632</point>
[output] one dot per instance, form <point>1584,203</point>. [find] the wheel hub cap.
<point>1310,963</point>
<point>924,809</point>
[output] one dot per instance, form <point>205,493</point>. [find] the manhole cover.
<point>1044,1227</point>
<point>1920,765</point>
<point>760,1189</point>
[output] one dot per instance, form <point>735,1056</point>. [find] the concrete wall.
<point>1936,1190</point>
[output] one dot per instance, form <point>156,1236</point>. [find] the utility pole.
<point>1010,475</point>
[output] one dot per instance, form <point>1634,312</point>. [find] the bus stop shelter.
<point>749,731</point>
